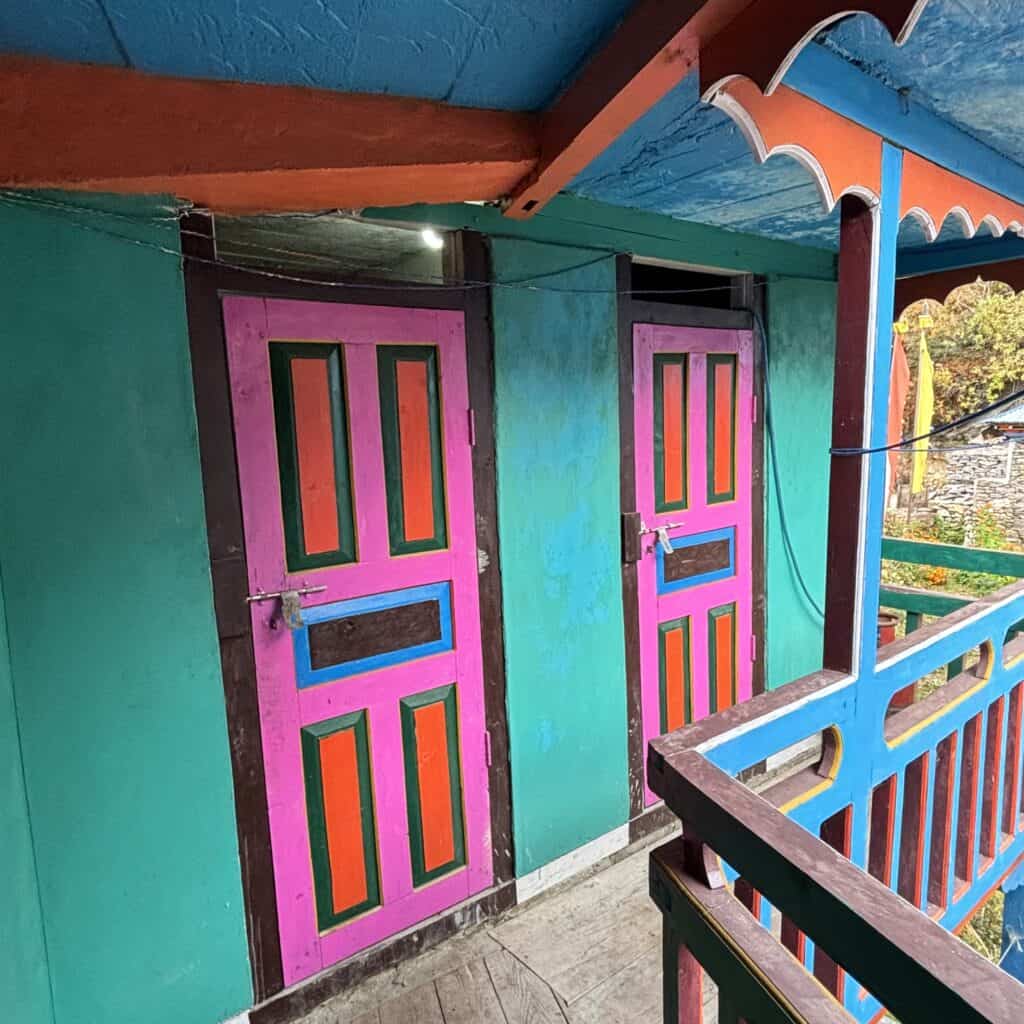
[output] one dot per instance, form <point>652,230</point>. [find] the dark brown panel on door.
<point>368,634</point>
<point>685,563</point>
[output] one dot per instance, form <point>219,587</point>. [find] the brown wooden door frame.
<point>747,296</point>
<point>206,280</point>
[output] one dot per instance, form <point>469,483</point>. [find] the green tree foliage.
<point>977,345</point>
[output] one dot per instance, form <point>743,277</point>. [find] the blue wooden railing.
<point>926,802</point>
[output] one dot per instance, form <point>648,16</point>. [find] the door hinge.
<point>487,746</point>
<point>753,647</point>
<point>471,416</point>
<point>753,408</point>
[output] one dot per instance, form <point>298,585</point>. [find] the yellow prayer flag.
<point>924,409</point>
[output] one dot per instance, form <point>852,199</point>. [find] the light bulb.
<point>431,239</point>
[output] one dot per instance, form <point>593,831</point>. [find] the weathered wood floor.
<point>588,953</point>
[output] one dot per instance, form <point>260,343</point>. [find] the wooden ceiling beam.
<point>237,147</point>
<point>657,45</point>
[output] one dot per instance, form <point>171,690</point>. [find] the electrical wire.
<point>409,283</point>
<point>935,431</point>
<point>22,200</point>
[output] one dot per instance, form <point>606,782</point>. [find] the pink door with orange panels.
<point>352,430</point>
<point>693,421</point>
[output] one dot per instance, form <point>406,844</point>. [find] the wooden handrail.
<point>911,964</point>
<point>957,754</point>
<point>921,601</point>
<point>708,926</point>
<point>954,556</point>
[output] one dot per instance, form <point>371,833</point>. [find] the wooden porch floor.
<point>587,952</point>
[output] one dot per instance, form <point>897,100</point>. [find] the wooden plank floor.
<point>589,952</point>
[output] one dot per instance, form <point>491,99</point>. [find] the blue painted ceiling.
<point>684,159</point>
<point>512,54</point>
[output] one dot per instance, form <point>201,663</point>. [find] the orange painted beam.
<point>843,156</point>
<point>931,193</point>
<point>652,51</point>
<point>658,44</point>
<point>239,147</point>
<point>846,159</point>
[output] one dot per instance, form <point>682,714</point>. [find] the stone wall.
<point>961,482</point>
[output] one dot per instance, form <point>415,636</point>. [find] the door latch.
<point>291,606</point>
<point>634,530</point>
<point>660,534</point>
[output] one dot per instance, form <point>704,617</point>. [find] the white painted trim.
<point>772,716</point>
<point>242,1018</point>
<point>864,511</point>
<point>572,863</point>
<point>751,131</point>
<point>981,613</point>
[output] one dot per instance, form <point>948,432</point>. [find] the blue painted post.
<point>1013,925</point>
<point>887,222</point>
<point>887,227</point>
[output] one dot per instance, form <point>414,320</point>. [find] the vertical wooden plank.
<point>310,422</point>
<point>222,505</point>
<point>409,397</point>
<point>339,810</point>
<point>1011,763</point>
<point>991,779</point>
<point>676,674</point>
<point>970,771</point>
<point>628,504</point>
<point>883,819</point>
<point>722,656</point>
<point>683,981</point>
<point>853,348</point>
<point>836,831</point>
<point>748,896</point>
<point>468,259</point>
<point>722,384</point>
<point>314,443</point>
<point>942,822</point>
<point>339,767</point>
<point>912,832</point>
<point>670,387</point>
<point>793,939</point>
<point>433,783</point>
<point>672,396</point>
<point>414,449</point>
<point>751,293</point>
<point>433,772</point>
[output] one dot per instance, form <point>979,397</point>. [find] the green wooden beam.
<point>921,602</point>
<point>951,556</point>
<point>583,223</point>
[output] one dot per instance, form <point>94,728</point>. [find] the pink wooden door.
<point>693,417</point>
<point>352,430</point>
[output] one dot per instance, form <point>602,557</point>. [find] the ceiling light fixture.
<point>432,239</point>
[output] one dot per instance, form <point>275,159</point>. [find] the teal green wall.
<point>801,327</point>
<point>556,402</point>
<point>113,647</point>
<point>24,982</point>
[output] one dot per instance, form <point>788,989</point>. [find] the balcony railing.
<point>859,866</point>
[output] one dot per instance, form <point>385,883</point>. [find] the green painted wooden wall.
<point>801,328</point>
<point>556,403</point>
<point>113,648</point>
<point>24,980</point>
